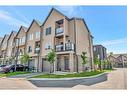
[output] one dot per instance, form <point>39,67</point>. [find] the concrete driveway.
<point>116,80</point>
<point>15,83</point>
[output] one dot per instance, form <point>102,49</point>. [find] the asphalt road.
<point>116,80</point>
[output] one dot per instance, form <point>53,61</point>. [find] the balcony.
<point>59,47</point>
<point>68,47</point>
<point>37,50</point>
<point>59,31</point>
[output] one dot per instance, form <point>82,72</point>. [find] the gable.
<point>34,26</point>
<point>54,14</point>
<point>21,32</point>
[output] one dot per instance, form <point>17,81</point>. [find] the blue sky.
<point>108,24</point>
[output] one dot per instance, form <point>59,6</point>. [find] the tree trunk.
<point>50,68</point>
<point>83,67</point>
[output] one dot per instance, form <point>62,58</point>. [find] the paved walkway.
<point>15,83</point>
<point>25,75</point>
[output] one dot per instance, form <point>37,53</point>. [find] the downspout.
<point>75,45</point>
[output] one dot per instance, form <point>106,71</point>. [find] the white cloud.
<point>115,42</point>
<point>19,14</point>
<point>6,17</point>
<point>116,46</point>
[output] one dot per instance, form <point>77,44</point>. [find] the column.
<point>64,35</point>
<point>71,62</point>
<point>40,64</point>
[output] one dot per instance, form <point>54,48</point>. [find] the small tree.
<point>96,61</point>
<point>10,59</point>
<point>25,58</point>
<point>50,57</point>
<point>84,59</point>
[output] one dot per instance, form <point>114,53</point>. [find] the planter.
<point>68,82</point>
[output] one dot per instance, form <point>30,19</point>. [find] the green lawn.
<point>13,74</point>
<point>83,74</point>
<point>108,70</point>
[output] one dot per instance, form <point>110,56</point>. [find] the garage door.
<point>32,63</point>
<point>45,66</point>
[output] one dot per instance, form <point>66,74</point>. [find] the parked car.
<point>1,66</point>
<point>11,68</point>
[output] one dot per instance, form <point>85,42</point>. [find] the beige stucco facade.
<point>68,37</point>
<point>74,32</point>
<point>4,48</point>
<point>31,41</point>
<point>10,46</point>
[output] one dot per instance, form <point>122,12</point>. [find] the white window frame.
<point>37,35</point>
<point>30,36</point>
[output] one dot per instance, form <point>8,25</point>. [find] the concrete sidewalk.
<point>16,83</point>
<point>26,75</point>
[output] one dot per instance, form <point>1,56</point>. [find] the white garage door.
<point>45,66</point>
<point>32,63</point>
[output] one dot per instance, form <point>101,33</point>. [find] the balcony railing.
<point>59,47</point>
<point>37,50</point>
<point>68,47</point>
<point>59,30</point>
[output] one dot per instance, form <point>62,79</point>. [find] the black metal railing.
<point>68,47</point>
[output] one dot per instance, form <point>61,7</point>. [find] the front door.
<point>66,63</point>
<point>58,64</point>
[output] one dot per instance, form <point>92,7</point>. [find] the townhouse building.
<point>1,39</point>
<point>118,60</point>
<point>4,48</point>
<point>10,46</point>
<point>100,51</point>
<point>19,44</point>
<point>33,44</point>
<point>0,49</point>
<point>69,37</point>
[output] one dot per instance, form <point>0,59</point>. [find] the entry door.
<point>58,64</point>
<point>66,63</point>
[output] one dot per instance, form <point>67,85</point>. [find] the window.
<point>30,36</point>
<point>37,35</point>
<point>29,49</point>
<point>94,48</point>
<point>10,44</point>
<point>20,40</point>
<point>23,39</point>
<point>48,46</point>
<point>48,30</point>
